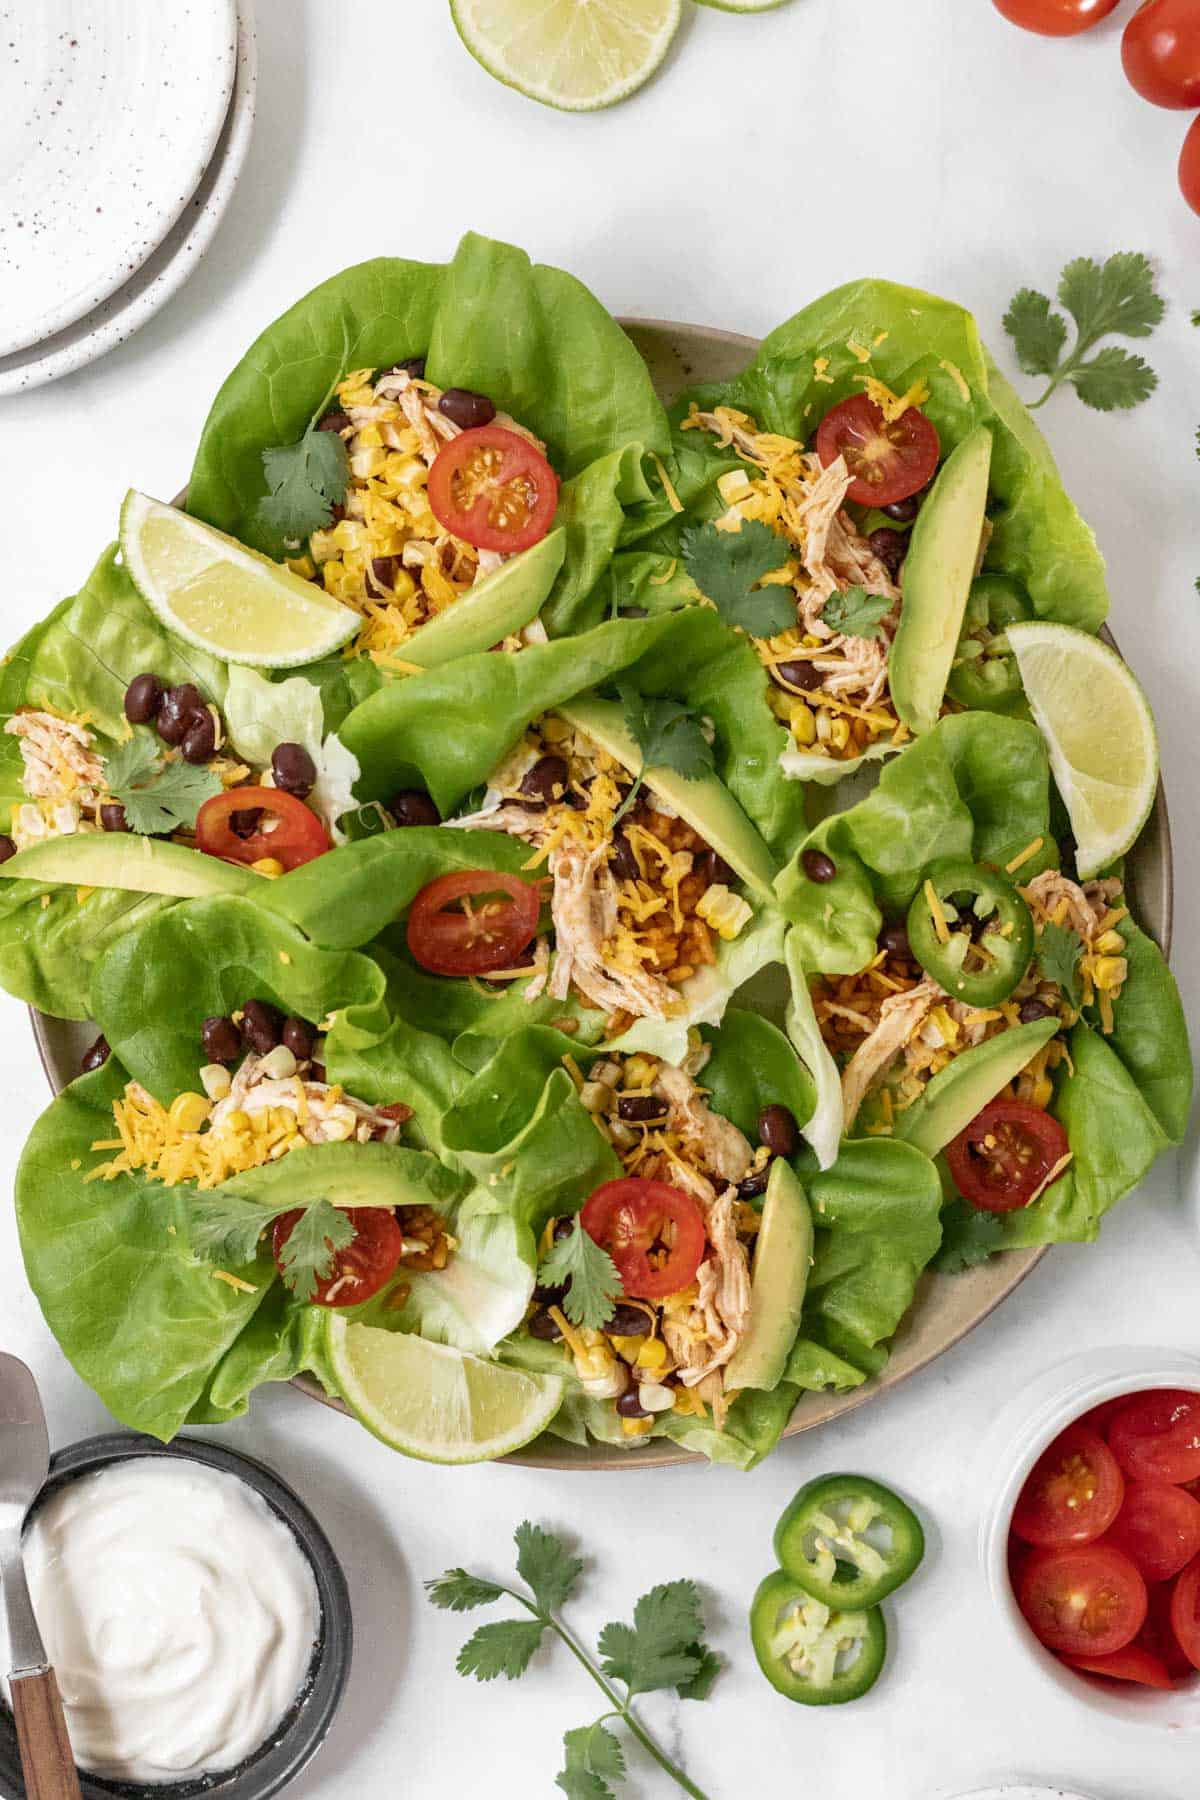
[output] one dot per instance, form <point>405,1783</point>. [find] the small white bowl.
<point>1025,1426</point>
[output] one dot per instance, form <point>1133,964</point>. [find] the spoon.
<point>46,1759</point>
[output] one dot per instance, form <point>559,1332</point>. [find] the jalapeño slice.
<point>810,1653</point>
<point>848,1541</point>
<point>970,929</point>
<point>985,677</point>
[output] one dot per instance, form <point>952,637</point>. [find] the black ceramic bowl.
<point>302,1730</point>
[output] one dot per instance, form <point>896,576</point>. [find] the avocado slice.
<point>123,860</point>
<point>495,607</point>
<point>943,551</point>
<point>779,1277</point>
<point>964,1086</point>
<point>705,803</point>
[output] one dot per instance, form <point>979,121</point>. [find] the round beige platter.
<point>946,1308</point>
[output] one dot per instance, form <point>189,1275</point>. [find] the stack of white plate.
<point>123,128</point>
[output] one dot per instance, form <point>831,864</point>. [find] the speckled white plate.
<point>165,271</point>
<point>110,111</point>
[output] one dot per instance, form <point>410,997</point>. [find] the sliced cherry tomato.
<point>1157,1436</point>
<point>1160,51</point>
<point>365,1264</point>
<point>1189,166</point>
<point>1101,1417</point>
<point>1158,1634</point>
<point>653,1232</point>
<point>275,825</point>
<point>1055,18</point>
<point>1085,1600</point>
<point>1073,1492</point>
<point>449,938</point>
<point>1133,1663</point>
<point>493,488</point>
<point>1185,1612</point>
<point>1005,1154</point>
<point>1158,1528</point>
<point>889,462</point>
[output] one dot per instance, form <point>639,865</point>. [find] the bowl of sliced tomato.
<point>1091,1539</point>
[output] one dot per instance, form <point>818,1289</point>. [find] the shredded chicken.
<point>584,909</point>
<point>1049,889</point>
<point>61,774</point>
<point>899,1017</point>
<point>323,1114</point>
<point>704,1338</point>
<point>717,1142</point>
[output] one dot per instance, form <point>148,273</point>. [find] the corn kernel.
<point>1108,972</point>
<point>634,1428</point>
<point>640,1072</point>
<point>269,866</point>
<point>1110,944</point>
<point>1042,1092</point>
<point>188,1112</point>
<point>279,1064</point>
<point>216,1080</point>
<point>652,1355</point>
<point>839,734</point>
<point>237,1120</point>
<point>824,725</point>
<point>627,1347</point>
<point>804,726</point>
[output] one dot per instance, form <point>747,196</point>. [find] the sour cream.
<point>179,1612</point>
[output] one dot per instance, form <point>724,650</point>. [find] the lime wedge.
<point>1099,731</point>
<point>578,55</point>
<point>216,594</point>
<point>432,1401</point>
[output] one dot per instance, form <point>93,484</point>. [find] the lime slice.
<point>432,1401</point>
<point>216,594</point>
<point>743,5</point>
<point>1099,731</point>
<point>578,55</point>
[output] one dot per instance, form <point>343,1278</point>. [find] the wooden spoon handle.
<point>46,1759</point>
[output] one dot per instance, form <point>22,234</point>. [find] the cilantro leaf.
<point>456,1591</point>
<point>727,565</point>
<point>667,734</point>
<point>594,1758</point>
<point>157,796</point>
<point>506,1648</point>
<point>311,1250</point>
<point>700,1686</point>
<point>857,613</point>
<point>1117,296</point>
<point>1114,380</point>
<point>1039,334</point>
<point>546,1566</point>
<point>307,480</point>
<point>1058,952</point>
<point>968,1238</point>
<point>660,1648</point>
<point>1114,298</point>
<point>226,1227</point>
<point>589,1274</point>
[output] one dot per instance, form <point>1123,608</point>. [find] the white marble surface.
<point>775,157</point>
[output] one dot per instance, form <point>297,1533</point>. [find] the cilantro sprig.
<point>669,736</point>
<point>1117,298</point>
<point>855,613</point>
<point>306,480</point>
<point>226,1227</point>
<point>589,1274</point>
<point>968,1238</point>
<point>662,1648</point>
<point>1058,954</point>
<point>157,796</point>
<point>727,567</point>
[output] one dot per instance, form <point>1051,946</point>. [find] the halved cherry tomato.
<point>1086,1600</point>
<point>1185,1612</point>
<point>653,1232</point>
<point>1055,18</point>
<point>1189,166</point>
<point>1005,1154</point>
<point>889,462</point>
<point>452,939</point>
<point>1158,1528</point>
<point>1160,52</point>
<point>365,1264</point>
<point>1157,1436</point>
<point>493,488</point>
<point>1133,1663</point>
<point>1099,1418</point>
<point>284,828</point>
<point>1073,1492</point>
<point>1158,1634</point>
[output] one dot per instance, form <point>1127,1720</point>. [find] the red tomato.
<point>363,1267</point>
<point>285,828</point>
<point>1086,1600</point>
<point>1158,1528</point>
<point>1160,50</point>
<point>1189,166</point>
<point>632,1219</point>
<point>1157,1436</point>
<point>1131,1664</point>
<point>1073,1492</point>
<point>1055,18</point>
<point>1100,1417</point>
<point>888,461</point>
<point>449,939</point>
<point>1158,1634</point>
<point>491,487</point>
<point>1005,1154</point>
<point>1185,1612</point>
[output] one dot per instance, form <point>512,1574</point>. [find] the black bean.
<point>714,868</point>
<point>96,1055</point>
<point>640,1109</point>
<point>261,1025</point>
<point>142,698</point>
<point>7,848</point>
<point>894,939</point>
<point>334,421</point>
<point>545,1326</point>
<point>627,1321</point>
<point>384,570</point>
<point>293,769</point>
<point>795,674</point>
<point>755,1183</point>
<point>299,1037</point>
<point>547,780</point>
<point>778,1130</point>
<point>629,1406</point>
<point>413,806</point>
<point>413,366</point>
<point>246,821</point>
<point>112,816</point>
<point>337,513</point>
<point>549,1296</point>
<point>891,547</point>
<point>200,739</point>
<point>178,711</point>
<point>563,1229</point>
<point>817,866</point>
<point>624,863</point>
<point>466,409</point>
<point>905,511</point>
<point>221,1039</point>
<point>1032,1010</point>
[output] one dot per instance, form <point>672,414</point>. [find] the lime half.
<point>432,1401</point>
<point>578,55</point>
<point>1099,731</point>
<point>216,594</point>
